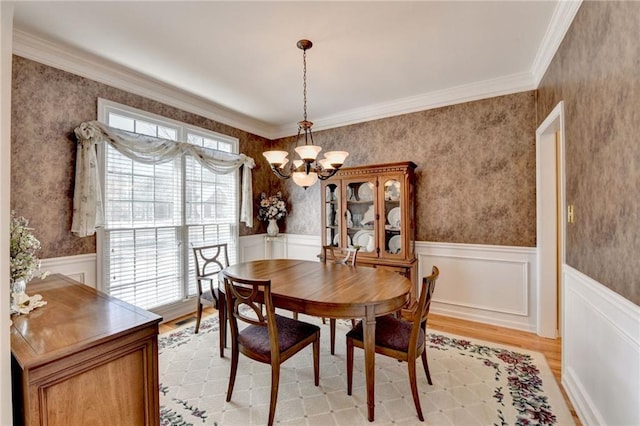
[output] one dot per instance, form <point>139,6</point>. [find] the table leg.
<point>369,328</point>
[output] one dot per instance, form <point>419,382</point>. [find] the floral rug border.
<point>524,383</point>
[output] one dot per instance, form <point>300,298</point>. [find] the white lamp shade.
<point>297,163</point>
<point>336,157</point>
<point>308,152</point>
<point>276,157</point>
<point>303,179</point>
<point>325,164</point>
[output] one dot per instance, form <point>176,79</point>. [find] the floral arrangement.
<point>272,207</point>
<point>23,246</point>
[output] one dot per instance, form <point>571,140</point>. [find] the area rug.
<point>474,383</point>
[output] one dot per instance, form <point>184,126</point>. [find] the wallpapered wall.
<point>596,72</point>
<point>476,175</point>
<point>47,104</point>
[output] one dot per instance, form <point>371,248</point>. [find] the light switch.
<point>570,214</point>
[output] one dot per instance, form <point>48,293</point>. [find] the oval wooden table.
<point>333,291</point>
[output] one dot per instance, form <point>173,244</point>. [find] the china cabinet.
<point>373,207</point>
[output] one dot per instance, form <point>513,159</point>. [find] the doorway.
<point>550,214</point>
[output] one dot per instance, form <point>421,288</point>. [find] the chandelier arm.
<point>323,175</point>
<point>279,173</point>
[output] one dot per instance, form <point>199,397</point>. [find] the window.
<point>155,213</point>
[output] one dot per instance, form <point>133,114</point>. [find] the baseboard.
<point>581,402</point>
<point>489,284</point>
<point>601,351</point>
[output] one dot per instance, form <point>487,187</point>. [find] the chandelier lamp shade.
<point>307,169</point>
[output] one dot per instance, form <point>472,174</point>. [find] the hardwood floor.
<point>550,348</point>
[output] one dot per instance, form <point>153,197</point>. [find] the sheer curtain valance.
<point>88,207</point>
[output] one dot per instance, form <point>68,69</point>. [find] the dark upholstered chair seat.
<point>206,296</point>
<point>290,332</point>
<point>391,333</point>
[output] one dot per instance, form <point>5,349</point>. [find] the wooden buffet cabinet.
<point>85,358</point>
<point>373,207</point>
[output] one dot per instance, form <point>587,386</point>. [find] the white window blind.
<point>154,214</point>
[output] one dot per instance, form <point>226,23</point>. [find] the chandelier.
<point>306,170</point>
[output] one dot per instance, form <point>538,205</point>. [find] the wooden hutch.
<point>373,207</point>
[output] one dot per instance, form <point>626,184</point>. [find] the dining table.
<point>331,290</point>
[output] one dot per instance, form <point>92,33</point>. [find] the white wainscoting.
<point>303,247</point>
<point>251,247</point>
<point>489,284</point>
<point>284,246</point>
<point>81,267</point>
<point>601,352</point>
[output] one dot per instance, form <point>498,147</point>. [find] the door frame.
<point>550,221</point>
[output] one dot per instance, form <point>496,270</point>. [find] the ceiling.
<point>237,61</point>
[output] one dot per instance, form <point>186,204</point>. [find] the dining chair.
<point>209,261</point>
<point>267,337</point>
<point>400,339</point>
<point>343,256</point>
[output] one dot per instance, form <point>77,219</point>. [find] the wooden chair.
<point>209,261</point>
<point>400,339</point>
<point>342,256</point>
<point>268,338</point>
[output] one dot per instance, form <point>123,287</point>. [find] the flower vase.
<point>18,288</point>
<point>272,228</point>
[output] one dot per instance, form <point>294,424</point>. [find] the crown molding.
<point>456,95</point>
<point>95,68</point>
<point>560,22</point>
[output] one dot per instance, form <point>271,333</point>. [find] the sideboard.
<point>85,358</point>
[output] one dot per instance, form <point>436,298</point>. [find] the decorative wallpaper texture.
<point>596,72</point>
<point>476,161</point>
<point>47,104</point>
<point>476,175</point>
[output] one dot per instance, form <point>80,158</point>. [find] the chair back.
<point>343,256</point>
<point>428,286</point>
<point>209,261</point>
<point>244,303</point>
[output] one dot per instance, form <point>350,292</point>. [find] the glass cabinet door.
<point>361,215</point>
<point>332,215</point>
<point>393,216</point>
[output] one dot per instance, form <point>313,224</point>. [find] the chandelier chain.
<point>304,81</point>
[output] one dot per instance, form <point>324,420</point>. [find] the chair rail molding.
<point>485,283</point>
<point>600,351</point>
